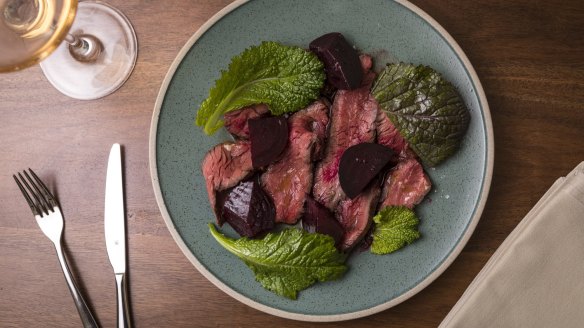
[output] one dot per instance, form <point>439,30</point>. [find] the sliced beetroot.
<point>248,209</point>
<point>360,164</point>
<point>318,218</point>
<point>341,60</point>
<point>268,136</point>
<point>220,197</point>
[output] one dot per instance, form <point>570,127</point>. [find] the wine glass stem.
<point>84,47</point>
<point>73,41</point>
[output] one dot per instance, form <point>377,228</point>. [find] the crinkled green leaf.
<point>395,227</point>
<point>285,78</point>
<point>287,261</point>
<point>425,108</point>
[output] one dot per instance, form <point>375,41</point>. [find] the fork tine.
<point>48,196</point>
<point>41,194</point>
<point>40,205</point>
<point>33,207</point>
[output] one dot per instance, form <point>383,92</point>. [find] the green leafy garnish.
<point>287,261</point>
<point>283,77</point>
<point>425,108</point>
<point>395,227</point>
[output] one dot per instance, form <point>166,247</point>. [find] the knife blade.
<point>114,218</point>
<point>115,229</point>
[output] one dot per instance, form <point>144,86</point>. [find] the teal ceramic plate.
<point>390,31</point>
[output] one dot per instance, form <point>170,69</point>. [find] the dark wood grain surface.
<point>529,55</point>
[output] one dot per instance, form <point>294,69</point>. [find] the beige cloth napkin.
<point>536,277</point>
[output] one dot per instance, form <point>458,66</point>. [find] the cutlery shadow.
<point>128,270</point>
<point>78,281</point>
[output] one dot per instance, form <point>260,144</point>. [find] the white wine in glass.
<point>86,49</point>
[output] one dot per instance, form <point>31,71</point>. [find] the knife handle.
<point>122,301</point>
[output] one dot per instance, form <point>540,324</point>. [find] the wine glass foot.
<point>93,79</point>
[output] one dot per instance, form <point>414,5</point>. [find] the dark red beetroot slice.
<point>360,164</point>
<point>318,218</point>
<point>341,60</point>
<point>248,209</point>
<point>268,136</point>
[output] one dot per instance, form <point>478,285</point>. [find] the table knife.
<point>115,231</point>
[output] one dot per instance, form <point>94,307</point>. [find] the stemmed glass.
<point>86,49</point>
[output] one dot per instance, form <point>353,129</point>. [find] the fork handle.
<point>122,301</point>
<point>84,312</point>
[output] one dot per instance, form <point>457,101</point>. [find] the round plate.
<point>390,31</point>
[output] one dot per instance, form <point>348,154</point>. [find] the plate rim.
<point>484,192</point>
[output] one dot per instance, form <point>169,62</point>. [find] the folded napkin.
<point>536,277</point>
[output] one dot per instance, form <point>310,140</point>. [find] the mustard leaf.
<point>288,261</point>
<point>285,78</point>
<point>395,227</point>
<point>425,108</point>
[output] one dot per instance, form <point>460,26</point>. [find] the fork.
<point>49,218</point>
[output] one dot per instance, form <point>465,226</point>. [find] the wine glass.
<point>86,49</point>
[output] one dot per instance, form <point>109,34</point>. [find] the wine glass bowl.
<point>105,59</point>
<point>30,30</point>
<point>86,49</point>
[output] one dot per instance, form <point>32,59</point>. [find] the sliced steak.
<point>289,180</point>
<point>388,135</point>
<point>236,121</point>
<point>353,116</point>
<point>317,120</point>
<point>355,215</point>
<point>224,166</point>
<point>405,185</point>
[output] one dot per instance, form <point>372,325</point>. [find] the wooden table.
<point>529,55</point>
